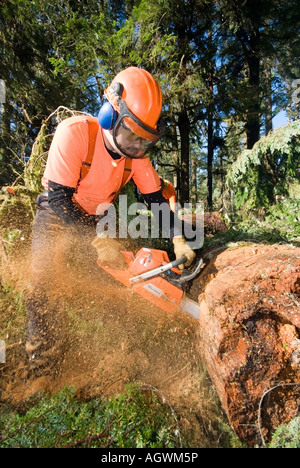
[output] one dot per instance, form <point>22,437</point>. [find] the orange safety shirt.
<point>169,193</point>
<point>69,149</point>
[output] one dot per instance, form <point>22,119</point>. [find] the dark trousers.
<point>58,256</point>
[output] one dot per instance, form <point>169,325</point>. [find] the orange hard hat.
<point>143,97</point>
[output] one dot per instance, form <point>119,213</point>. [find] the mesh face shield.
<point>132,137</point>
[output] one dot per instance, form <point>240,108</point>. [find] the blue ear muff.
<point>107,116</point>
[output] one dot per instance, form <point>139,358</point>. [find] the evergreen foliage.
<point>135,419</point>
<point>287,436</point>
<point>226,68</point>
<point>267,171</point>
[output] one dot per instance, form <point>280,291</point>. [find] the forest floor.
<point>113,338</point>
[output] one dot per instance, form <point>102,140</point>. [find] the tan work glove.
<point>181,249</point>
<point>109,252</point>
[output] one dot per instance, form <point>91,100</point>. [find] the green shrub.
<point>287,436</point>
<point>135,419</point>
<point>267,171</point>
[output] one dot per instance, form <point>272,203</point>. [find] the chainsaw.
<point>153,276</point>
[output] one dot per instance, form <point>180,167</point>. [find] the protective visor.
<point>132,137</point>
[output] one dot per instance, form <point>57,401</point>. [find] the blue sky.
<point>280,119</point>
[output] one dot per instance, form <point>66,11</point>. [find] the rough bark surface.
<point>250,335</point>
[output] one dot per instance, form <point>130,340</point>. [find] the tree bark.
<point>268,98</point>
<point>253,111</point>
<point>184,130</point>
<point>250,42</point>
<point>194,182</point>
<point>250,334</point>
<point>210,158</point>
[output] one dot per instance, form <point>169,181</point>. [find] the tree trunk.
<point>210,146</point>
<point>194,182</point>
<point>253,111</point>
<point>5,143</point>
<point>250,42</point>
<point>268,98</point>
<point>250,334</point>
<point>210,158</point>
<point>184,130</point>
<point>210,128</point>
<point>176,176</point>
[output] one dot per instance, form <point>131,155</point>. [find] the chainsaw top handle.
<point>185,276</point>
<point>189,275</point>
<point>180,261</point>
<point>158,271</point>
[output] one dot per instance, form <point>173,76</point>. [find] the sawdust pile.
<point>247,337</point>
<point>112,338</point>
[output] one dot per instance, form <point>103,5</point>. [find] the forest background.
<point>226,68</point>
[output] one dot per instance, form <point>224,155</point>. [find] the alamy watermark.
<point>2,352</point>
<point>135,221</point>
<point>296,93</point>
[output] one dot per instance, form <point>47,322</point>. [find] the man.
<point>89,162</point>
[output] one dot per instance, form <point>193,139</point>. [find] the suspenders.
<point>93,128</point>
<point>86,165</point>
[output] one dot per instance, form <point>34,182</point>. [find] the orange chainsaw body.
<point>157,290</point>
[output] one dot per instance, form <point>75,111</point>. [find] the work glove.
<point>181,249</point>
<point>109,252</point>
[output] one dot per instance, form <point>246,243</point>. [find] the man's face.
<point>130,137</point>
<point>130,143</point>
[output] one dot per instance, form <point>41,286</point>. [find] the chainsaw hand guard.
<point>189,275</point>
<point>181,248</point>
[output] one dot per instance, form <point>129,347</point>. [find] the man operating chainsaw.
<point>90,161</point>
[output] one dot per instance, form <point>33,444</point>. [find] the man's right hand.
<point>182,249</point>
<point>109,252</point>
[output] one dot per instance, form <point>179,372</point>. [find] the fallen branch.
<point>87,439</point>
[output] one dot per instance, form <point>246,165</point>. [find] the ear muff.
<point>107,116</point>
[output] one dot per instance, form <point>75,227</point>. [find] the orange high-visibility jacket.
<point>103,182</point>
<point>169,193</point>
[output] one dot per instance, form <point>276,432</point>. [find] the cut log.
<point>211,222</point>
<point>250,335</point>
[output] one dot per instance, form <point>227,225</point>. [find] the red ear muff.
<point>107,116</point>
